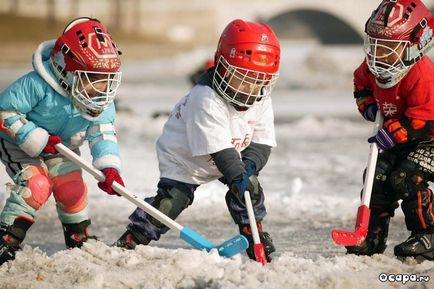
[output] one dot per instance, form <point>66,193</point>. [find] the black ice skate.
<point>11,238</point>
<point>418,246</point>
<point>265,238</point>
<point>8,246</point>
<point>131,238</point>
<point>374,244</point>
<point>376,240</point>
<point>76,234</point>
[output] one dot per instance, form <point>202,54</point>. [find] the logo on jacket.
<point>389,109</point>
<point>239,143</point>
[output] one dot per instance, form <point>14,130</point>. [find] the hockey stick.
<point>228,248</point>
<point>258,247</point>
<point>348,238</point>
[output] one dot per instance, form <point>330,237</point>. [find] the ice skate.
<point>76,234</point>
<point>130,239</point>
<point>418,246</point>
<point>265,238</point>
<point>9,245</point>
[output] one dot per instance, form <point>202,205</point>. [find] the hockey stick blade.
<point>229,248</point>
<point>233,246</point>
<point>259,251</point>
<point>347,238</point>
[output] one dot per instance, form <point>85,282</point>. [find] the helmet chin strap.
<point>83,111</point>
<point>234,105</point>
<point>239,108</point>
<point>390,82</point>
<point>87,116</point>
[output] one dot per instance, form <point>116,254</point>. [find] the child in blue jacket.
<point>68,98</point>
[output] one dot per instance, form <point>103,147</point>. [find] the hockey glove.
<point>241,184</point>
<point>370,112</point>
<point>111,175</point>
<point>50,146</point>
<point>401,131</point>
<point>367,108</point>
<point>366,104</point>
<point>384,139</point>
<point>250,167</point>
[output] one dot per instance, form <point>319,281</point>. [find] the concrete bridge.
<point>328,21</point>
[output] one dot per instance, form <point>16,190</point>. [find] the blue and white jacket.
<point>35,106</point>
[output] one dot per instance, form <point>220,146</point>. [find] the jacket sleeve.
<point>103,143</point>
<point>258,153</point>
<point>15,102</point>
<point>229,164</point>
<point>363,92</point>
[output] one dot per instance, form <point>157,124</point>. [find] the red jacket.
<point>412,97</point>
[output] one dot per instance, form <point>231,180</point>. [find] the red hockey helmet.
<point>86,63</point>
<point>399,33</point>
<point>247,62</point>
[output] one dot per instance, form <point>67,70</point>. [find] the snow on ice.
<point>312,184</point>
<point>99,266</point>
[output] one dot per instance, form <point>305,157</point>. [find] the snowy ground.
<point>312,183</point>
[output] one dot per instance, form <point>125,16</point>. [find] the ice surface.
<point>312,183</point>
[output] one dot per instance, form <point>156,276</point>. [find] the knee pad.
<point>34,185</point>
<point>70,192</point>
<point>170,202</point>
<point>407,180</point>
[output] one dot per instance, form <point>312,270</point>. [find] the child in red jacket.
<point>398,79</point>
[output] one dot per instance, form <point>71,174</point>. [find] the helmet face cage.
<point>380,63</point>
<point>92,92</point>
<point>242,87</point>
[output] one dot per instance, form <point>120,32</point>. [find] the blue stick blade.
<point>233,246</point>
<point>196,240</point>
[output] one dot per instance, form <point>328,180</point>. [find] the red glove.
<point>52,141</point>
<point>111,175</point>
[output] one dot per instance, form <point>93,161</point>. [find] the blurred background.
<point>321,40</point>
<point>186,24</point>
